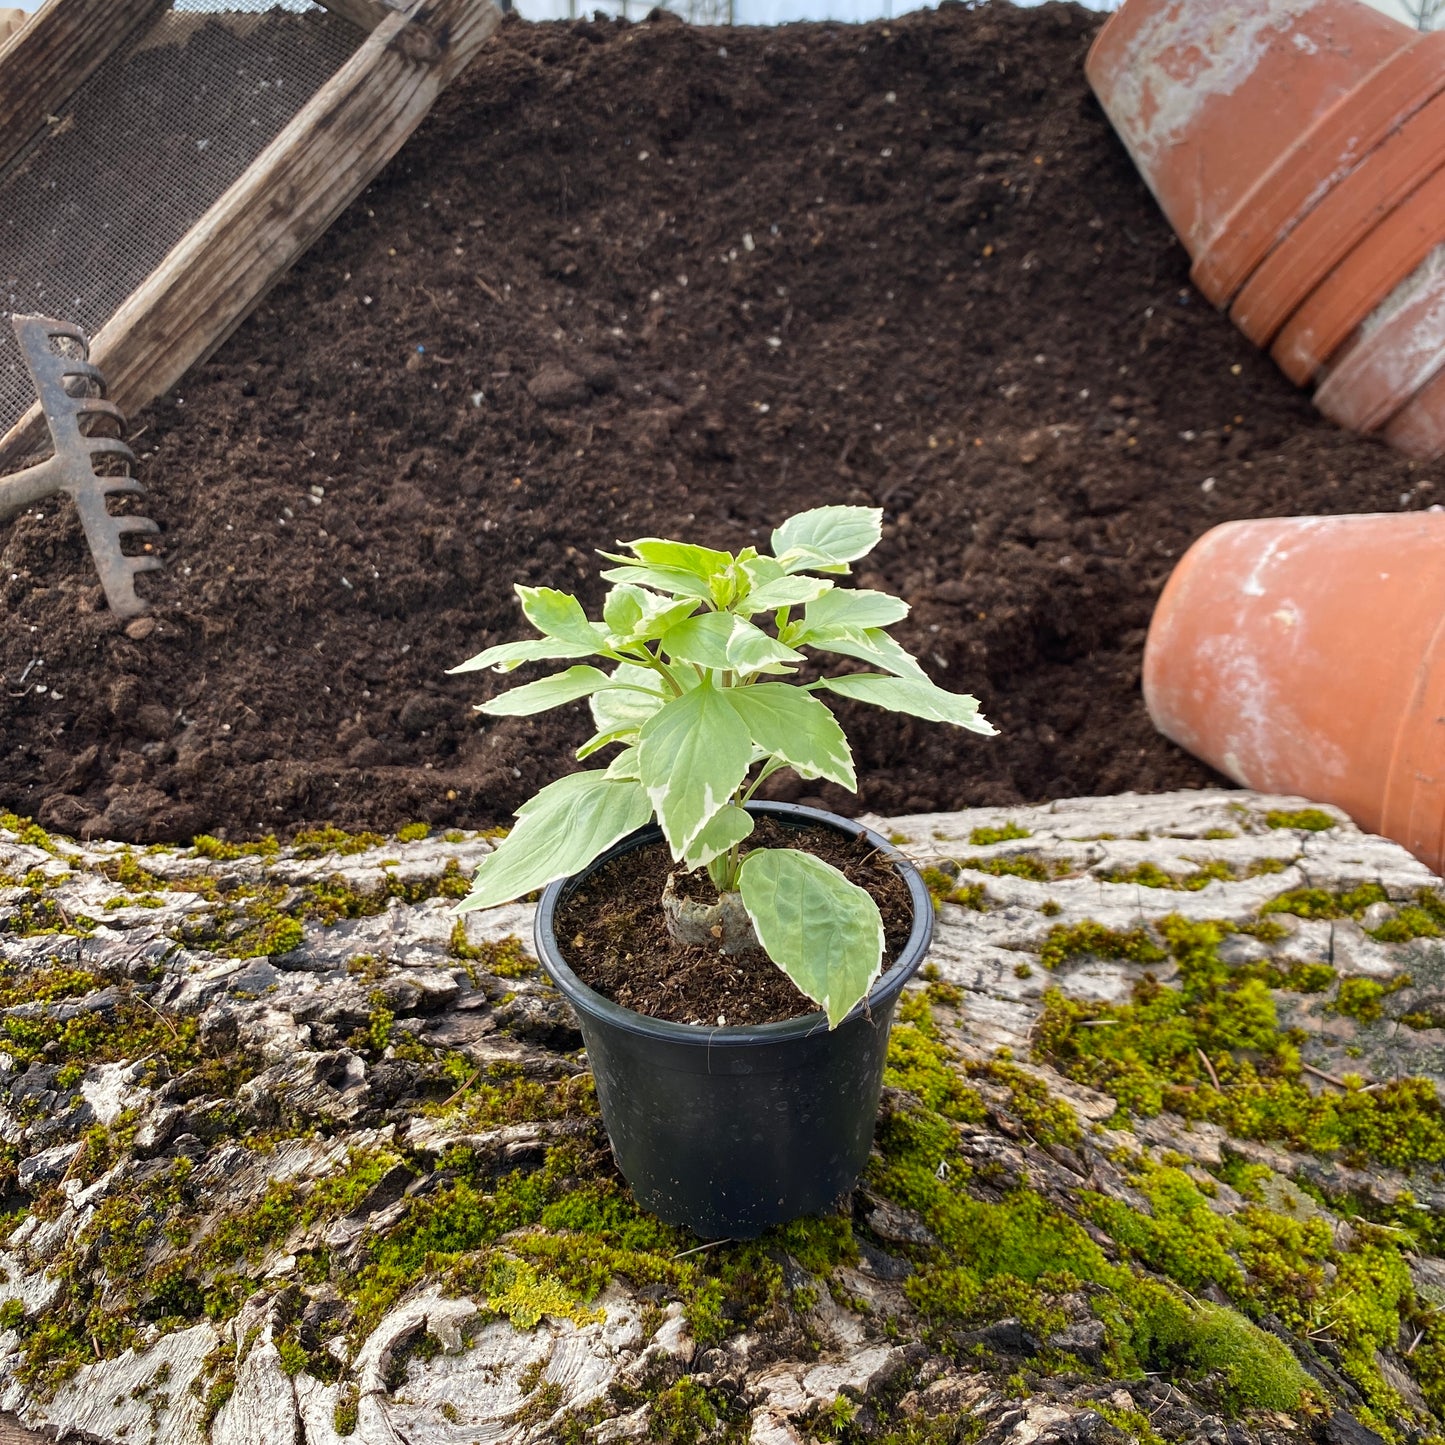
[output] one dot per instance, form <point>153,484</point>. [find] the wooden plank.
<point>364,14</point>
<point>43,63</point>
<point>291,193</point>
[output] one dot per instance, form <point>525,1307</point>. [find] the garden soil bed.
<point>645,280</point>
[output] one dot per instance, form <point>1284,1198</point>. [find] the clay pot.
<point>1306,655</point>
<point>1418,428</point>
<point>1397,352</point>
<point>1385,177</point>
<point>1296,189</point>
<point>1382,261</point>
<point>1213,97</point>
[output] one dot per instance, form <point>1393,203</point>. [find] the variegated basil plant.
<point>695,641</point>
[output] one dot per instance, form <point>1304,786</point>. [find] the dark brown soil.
<point>612,934</point>
<point>634,280</point>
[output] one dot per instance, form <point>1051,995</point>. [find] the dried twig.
<point>452,1100</point>
<point>698,1249</point>
<point>1321,1074</point>
<point>1213,1077</point>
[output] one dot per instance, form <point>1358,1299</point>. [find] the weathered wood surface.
<point>364,14</point>
<point>43,63</point>
<point>339,1043</point>
<point>287,198</point>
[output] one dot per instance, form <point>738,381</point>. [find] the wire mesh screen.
<point>142,150</point>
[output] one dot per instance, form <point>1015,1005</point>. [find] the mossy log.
<point>289,1152</point>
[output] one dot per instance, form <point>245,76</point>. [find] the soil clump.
<point>635,280</point>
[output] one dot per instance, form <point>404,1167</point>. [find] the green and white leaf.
<point>750,650</point>
<point>693,753</point>
<point>824,932</point>
<point>662,579</point>
<point>827,538</point>
<point>560,615</point>
<point>548,692</point>
<point>508,656</point>
<point>635,614</point>
<point>919,697</point>
<point>701,640</point>
<point>788,723</point>
<point>637,694</point>
<point>598,741</point>
<point>625,765</point>
<point>558,832</point>
<point>867,644</point>
<point>842,607</point>
<point>728,826</point>
<point>784,592</point>
<point>700,561</point>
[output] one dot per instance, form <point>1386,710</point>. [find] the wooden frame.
<point>328,153</point>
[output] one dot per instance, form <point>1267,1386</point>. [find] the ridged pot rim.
<point>885,989</point>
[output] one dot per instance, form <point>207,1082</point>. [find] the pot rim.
<point>885,988</point>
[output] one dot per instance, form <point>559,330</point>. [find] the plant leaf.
<point>659,552</point>
<point>727,826</point>
<point>598,741</point>
<point>917,696</point>
<point>827,538</point>
<point>507,656</point>
<point>793,725</point>
<point>702,640</point>
<point>560,615</point>
<point>624,706</point>
<point>662,579</point>
<point>867,644</point>
<point>824,932</point>
<point>784,591</point>
<point>634,614</point>
<point>751,650</point>
<point>547,692</point>
<point>559,831</point>
<point>692,754</point>
<point>842,607</point>
<point>624,765</point>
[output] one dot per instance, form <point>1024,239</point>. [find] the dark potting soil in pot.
<point>612,934</point>
<point>634,280</point>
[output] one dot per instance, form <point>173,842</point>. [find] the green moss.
<point>1422,918</point>
<point>317,842</point>
<point>1362,998</point>
<point>1020,865</point>
<point>346,1413</point>
<point>29,832</point>
<point>985,837</point>
<point>1213,833</point>
<point>1309,820</point>
<point>1318,903</point>
<point>1257,1371</point>
<point>413,832</point>
<point>1150,1055</point>
<point>1150,875</point>
<point>921,1064</point>
<point>1089,939</point>
<point>1047,1119</point>
<point>503,958</point>
<point>205,846</point>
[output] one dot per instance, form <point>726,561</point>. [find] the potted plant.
<point>724,1127</point>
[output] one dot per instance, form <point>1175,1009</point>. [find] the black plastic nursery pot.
<point>729,1130</point>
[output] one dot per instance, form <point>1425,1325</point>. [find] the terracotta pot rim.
<point>1341,141</point>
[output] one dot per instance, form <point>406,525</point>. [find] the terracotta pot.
<point>1212,96</point>
<point>1418,429</point>
<point>1384,259</point>
<point>1306,655</point>
<point>1300,183</point>
<point>1399,349</point>
<point>1341,219</point>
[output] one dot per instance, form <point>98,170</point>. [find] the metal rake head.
<point>72,396</point>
